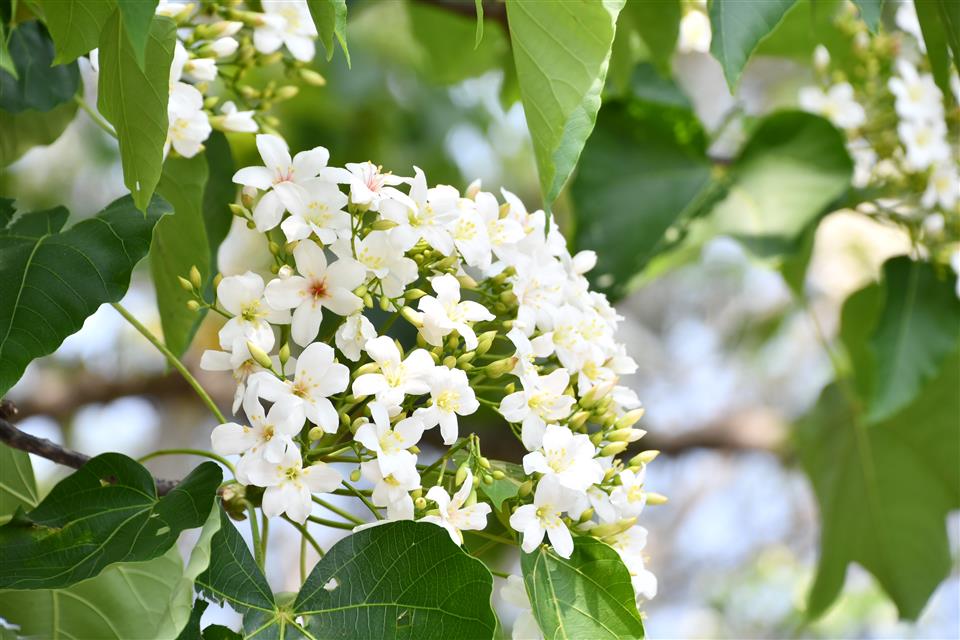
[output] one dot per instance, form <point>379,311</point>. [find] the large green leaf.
<point>134,100</point>
<point>179,242</point>
<point>637,177</point>
<point>658,23</point>
<point>137,16</point>
<point>52,280</point>
<point>940,25</point>
<point>561,51</point>
<point>37,85</point>
<point>738,27</point>
<point>75,25</point>
<point>108,511</point>
<point>917,329</point>
<point>330,18</point>
<point>17,485</point>
<point>20,132</point>
<point>448,43</point>
<point>219,192</point>
<point>588,596</point>
<point>885,491</point>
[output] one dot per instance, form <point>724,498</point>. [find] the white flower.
<point>524,625</point>
<point>918,97</point>
<point>955,265</point>
<point>445,313</point>
<point>201,69</point>
<point>906,19</point>
<point>864,161</point>
<point>528,351</point>
<point>225,46</point>
<point>542,400</point>
<point>450,396</point>
<point>392,490</point>
<point>319,286</point>
<point>353,335</point>
<point>390,444</point>
<point>233,120</point>
<point>469,233</point>
<point>316,377</point>
<point>280,171</point>
<point>925,142</point>
<point>629,497</point>
<point>268,436</point>
<point>629,544</point>
<point>453,515</point>
<point>695,32</point>
<point>424,214</point>
<point>242,296</point>
<point>239,362</point>
<point>316,207</point>
<point>384,260</point>
<point>837,105</point>
<point>188,125</point>
<point>943,188</point>
<point>367,183</point>
<point>290,485</point>
<point>398,376</point>
<point>287,23</point>
<point>567,457</point>
<point>543,517</point>
<point>501,232</point>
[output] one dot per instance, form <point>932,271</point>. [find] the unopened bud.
<point>578,420</point>
<point>484,462</point>
<point>414,294</point>
<point>315,433</point>
<point>217,279</point>
<point>368,300</point>
<point>383,225</point>
<point>525,489</point>
<point>609,474</point>
<point>483,347</point>
<point>654,499</point>
<point>644,458</point>
<point>355,475</point>
<point>420,503</point>
<point>450,362</point>
<point>385,303</point>
<point>312,78</point>
<point>185,284</point>
<point>466,358</point>
<point>630,418</point>
<point>466,282</point>
<point>193,305</point>
<point>461,474</point>
<point>237,210</point>
<point>487,479</point>
<point>259,355</point>
<point>416,493</point>
<point>413,317</point>
<point>498,475</point>
<point>360,291</point>
<point>597,437</point>
<point>613,449</point>
<point>625,435</point>
<point>587,515</point>
<point>195,279</point>
<point>356,424</point>
<point>499,367</point>
<point>287,92</point>
<point>274,248</point>
<point>284,353</point>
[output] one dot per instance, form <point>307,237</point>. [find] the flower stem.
<point>255,534</point>
<point>190,452</point>
<point>363,499</point>
<point>264,534</point>
<point>346,515</point>
<point>331,523</point>
<point>96,117</point>
<point>172,359</point>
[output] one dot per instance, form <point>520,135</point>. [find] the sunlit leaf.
<point>738,27</point>
<point>330,18</point>
<point>137,16</point>
<point>18,488</point>
<point>75,25</point>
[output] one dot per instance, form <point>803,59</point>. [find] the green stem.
<point>303,558</point>
<point>499,574</point>
<point>96,117</point>
<point>332,523</point>
<point>490,536</point>
<point>363,499</point>
<point>190,452</point>
<point>255,534</point>
<point>346,515</point>
<point>172,359</point>
<point>265,532</point>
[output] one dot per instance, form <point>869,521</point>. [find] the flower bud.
<point>356,424</point>
<point>414,294</point>
<point>193,305</point>
<point>498,475</point>
<point>284,353</point>
<point>484,462</point>
<point>416,493</point>
<point>610,473</point>
<point>413,317</point>
<point>355,475</point>
<point>286,92</point>
<point>274,248</point>
<point>259,355</point>
<point>420,503</point>
<point>625,435</point>
<point>450,362</point>
<point>613,449</point>
<point>383,225</point>
<point>525,489</point>
<point>466,358</point>
<point>499,367</point>
<point>368,300</point>
<point>210,102</point>
<point>578,420</point>
<point>238,210</point>
<point>487,479</point>
<point>654,499</point>
<point>630,418</point>
<point>482,348</point>
<point>461,475</point>
<point>597,437</point>
<point>185,284</point>
<point>587,515</point>
<point>385,303</point>
<point>195,278</point>
<point>466,282</point>
<point>644,458</point>
<point>312,78</point>
<point>315,433</point>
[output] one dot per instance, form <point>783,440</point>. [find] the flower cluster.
<point>915,153</point>
<point>217,47</point>
<point>438,303</point>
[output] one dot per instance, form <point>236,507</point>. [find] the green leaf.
<point>330,18</point>
<point>507,487</point>
<point>858,319</point>
<point>641,171</point>
<point>127,600</point>
<point>794,166</point>
<point>52,280</point>
<point>192,629</point>
<point>870,11</point>
<point>588,596</point>
<point>18,488</point>
<point>940,24</point>
<point>134,100</point>
<point>23,131</point>
<point>916,331</point>
<point>885,491</point>
<point>561,51</point>
<point>6,62</point>
<point>218,194</point>
<point>179,242</point>
<point>658,23</point>
<point>106,512</point>
<point>479,35</point>
<point>447,44</point>
<point>36,85</point>
<point>738,27</point>
<point>137,16</point>
<point>401,579</point>
<point>75,25</point>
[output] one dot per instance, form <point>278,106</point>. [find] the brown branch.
<point>13,437</point>
<point>493,11</point>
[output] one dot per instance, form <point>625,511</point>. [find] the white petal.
<point>306,323</point>
<point>274,151</point>
<point>307,164</point>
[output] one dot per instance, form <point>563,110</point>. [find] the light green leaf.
<point>330,18</point>
<point>52,280</point>
<point>18,488</point>
<point>636,179</point>
<point>658,23</point>
<point>507,487</point>
<point>870,11</point>
<point>108,511</point>
<point>940,25</point>
<point>28,129</point>
<point>6,62</point>
<point>885,491</point>
<point>561,51</point>
<point>137,15</point>
<point>134,100</point>
<point>36,86</point>
<point>449,54</point>
<point>738,27</point>
<point>588,596</point>
<point>916,331</point>
<point>179,242</point>
<point>479,35</point>
<point>75,25</point>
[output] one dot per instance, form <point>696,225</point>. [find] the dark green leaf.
<point>940,25</point>
<point>134,100</point>
<point>219,192</point>
<point>401,579</point>
<point>858,319</point>
<point>870,11</point>
<point>192,630</point>
<point>6,62</point>
<point>106,512</point>
<point>51,281</point>
<point>588,596</point>
<point>885,491</point>
<point>738,27</point>
<point>658,23</point>
<point>28,129</point>
<point>220,632</point>
<point>75,25</point>
<point>641,171</point>
<point>330,18</point>
<point>916,331</point>
<point>37,85</point>
<point>17,485</point>
<point>561,52</point>
<point>179,242</point>
<point>137,15</point>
